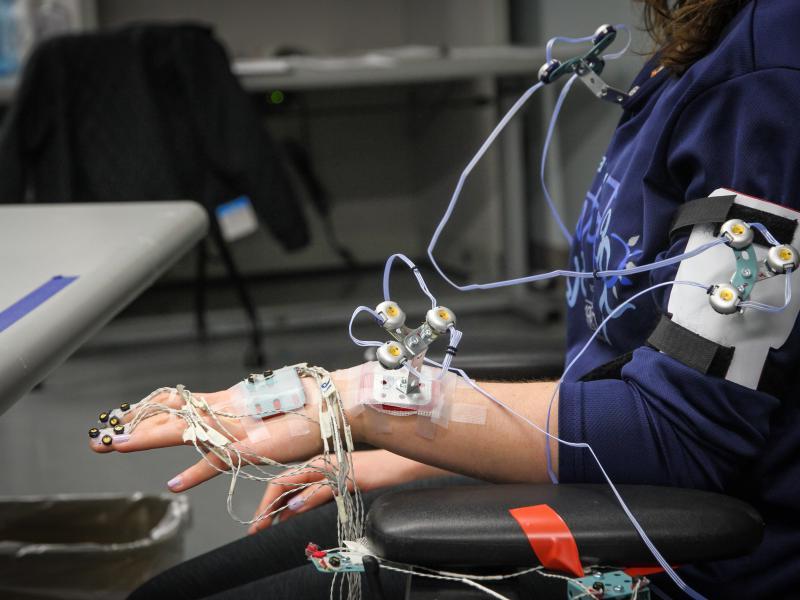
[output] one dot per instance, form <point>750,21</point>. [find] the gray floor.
<point>43,437</point>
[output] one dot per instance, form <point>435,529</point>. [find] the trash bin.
<point>80,547</point>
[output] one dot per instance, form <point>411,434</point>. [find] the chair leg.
<point>372,571</point>
<point>200,290</point>
<point>256,355</point>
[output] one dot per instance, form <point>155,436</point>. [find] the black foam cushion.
<point>472,526</point>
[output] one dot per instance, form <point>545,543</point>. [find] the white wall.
<point>257,27</point>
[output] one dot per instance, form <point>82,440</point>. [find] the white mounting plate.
<point>388,386</point>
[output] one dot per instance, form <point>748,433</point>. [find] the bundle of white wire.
<point>207,431</point>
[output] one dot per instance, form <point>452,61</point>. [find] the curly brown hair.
<point>685,30</point>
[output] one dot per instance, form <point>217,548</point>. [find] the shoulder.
<point>756,65</point>
<point>774,30</point>
<point>760,43</point>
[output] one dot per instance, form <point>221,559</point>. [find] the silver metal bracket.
<point>597,86</point>
<point>409,385</point>
<point>396,388</point>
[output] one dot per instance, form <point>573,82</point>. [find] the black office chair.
<point>470,529</point>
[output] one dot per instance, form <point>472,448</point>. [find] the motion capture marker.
<point>739,235</point>
<point>548,69</point>
<point>107,440</point>
<point>94,432</point>
<point>724,299</point>
<point>113,421</point>
<point>393,315</point>
<point>390,355</point>
<point>782,258</point>
<point>125,406</point>
<point>259,377</point>
<point>601,32</point>
<point>119,429</point>
<point>440,319</point>
<point>103,417</point>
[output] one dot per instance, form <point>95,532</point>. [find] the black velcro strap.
<point>610,370</point>
<point>691,349</point>
<point>781,228</point>
<point>718,209</point>
<point>713,209</point>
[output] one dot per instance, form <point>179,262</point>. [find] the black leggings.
<point>271,564</point>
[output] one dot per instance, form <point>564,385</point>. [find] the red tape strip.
<point>550,538</point>
<point>640,571</point>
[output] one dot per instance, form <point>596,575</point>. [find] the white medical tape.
<point>325,427</point>
<point>425,427</point>
<point>297,425</point>
<point>474,414</point>
<point>340,507</point>
<point>256,428</point>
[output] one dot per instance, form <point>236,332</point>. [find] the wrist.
<point>311,410</point>
<point>346,382</point>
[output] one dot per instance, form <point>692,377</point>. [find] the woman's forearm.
<point>503,449</point>
<point>409,469</point>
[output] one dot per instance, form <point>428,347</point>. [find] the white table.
<point>114,251</point>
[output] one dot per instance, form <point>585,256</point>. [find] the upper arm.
<point>663,422</point>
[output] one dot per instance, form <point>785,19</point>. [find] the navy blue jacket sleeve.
<point>662,422</point>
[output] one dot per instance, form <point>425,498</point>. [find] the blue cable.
<point>765,232</point>
<point>564,40</point>
<point>546,149</point>
<point>787,298</point>
<point>378,319</point>
<point>476,158</point>
<point>387,271</point>
<point>582,40</point>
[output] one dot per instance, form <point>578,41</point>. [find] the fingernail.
<point>295,503</point>
<point>175,482</point>
<point>119,439</point>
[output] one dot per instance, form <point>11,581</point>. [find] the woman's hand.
<point>372,469</point>
<point>165,430</point>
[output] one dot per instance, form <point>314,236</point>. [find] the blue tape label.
<point>38,296</point>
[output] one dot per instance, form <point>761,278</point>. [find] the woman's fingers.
<point>168,397</point>
<point>278,493</point>
<point>311,497</point>
<point>156,429</point>
<point>209,467</point>
<point>159,431</point>
<point>273,498</point>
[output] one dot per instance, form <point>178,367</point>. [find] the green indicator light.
<point>276,97</point>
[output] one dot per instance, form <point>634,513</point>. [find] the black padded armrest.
<point>471,525</point>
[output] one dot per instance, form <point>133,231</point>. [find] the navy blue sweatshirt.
<point>732,120</point>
